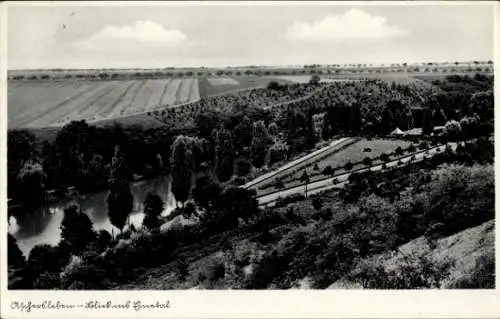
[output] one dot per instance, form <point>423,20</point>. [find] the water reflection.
<point>43,226</point>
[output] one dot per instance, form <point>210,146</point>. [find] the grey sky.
<point>189,35</point>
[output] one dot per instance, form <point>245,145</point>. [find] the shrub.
<point>328,171</point>
<point>348,166</point>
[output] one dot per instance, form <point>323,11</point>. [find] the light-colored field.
<point>222,81</point>
<point>169,97</point>
<point>355,153</point>
<point>43,103</point>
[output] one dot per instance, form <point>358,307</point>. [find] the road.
<point>342,179</point>
<point>335,145</point>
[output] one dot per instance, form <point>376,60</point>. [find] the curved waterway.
<point>44,227</point>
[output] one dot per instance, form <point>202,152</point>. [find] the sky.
<point>190,35</point>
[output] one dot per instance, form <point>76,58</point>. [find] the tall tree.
<point>182,165</point>
<point>326,130</point>
<point>427,125</point>
<point>260,144</point>
<point>20,148</point>
<point>120,204</point>
<point>305,179</point>
<point>119,170</point>
<point>224,155</point>
<point>31,186</point>
<point>355,120</point>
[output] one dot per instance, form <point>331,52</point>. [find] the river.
<point>43,228</point>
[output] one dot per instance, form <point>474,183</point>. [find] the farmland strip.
<point>22,99</point>
<point>169,98</point>
<point>43,113</point>
<point>123,89</point>
<point>70,113</point>
<point>195,91</point>
<point>134,96</point>
<point>182,94</point>
<point>126,100</point>
<point>141,99</point>
<point>158,88</point>
<point>165,86</point>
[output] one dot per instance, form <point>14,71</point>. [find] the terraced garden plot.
<point>354,153</point>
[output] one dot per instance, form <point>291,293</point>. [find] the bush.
<point>328,171</point>
<point>348,166</point>
<point>367,161</point>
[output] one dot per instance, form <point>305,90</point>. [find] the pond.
<point>43,228</point>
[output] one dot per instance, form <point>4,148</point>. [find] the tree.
<point>103,240</point>
<point>399,151</point>
<point>243,133</point>
<point>274,86</point>
<point>31,184</point>
<point>224,155</point>
<point>305,179</point>
<point>182,165</point>
<point>348,166</point>
<point>453,130</point>
<point>15,256</point>
<point>119,168</point>
<point>260,144</point>
<point>326,131</point>
<point>277,152</point>
<point>242,167</point>
<point>316,167</point>
<point>279,184</point>
<point>44,258</point>
<point>206,191</point>
<point>328,171</point>
<point>153,207</point>
<point>239,202</point>
<point>315,79</point>
<point>20,148</point>
<point>273,130</point>
<point>120,203</point>
<point>427,124</point>
<point>367,161</point>
<point>317,203</point>
<point>76,229</point>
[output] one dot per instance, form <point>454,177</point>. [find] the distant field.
<point>43,104</point>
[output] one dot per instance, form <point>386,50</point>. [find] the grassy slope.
<point>463,249</point>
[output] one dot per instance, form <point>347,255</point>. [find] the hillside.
<point>470,251</point>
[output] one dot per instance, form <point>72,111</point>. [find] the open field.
<point>42,104</point>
